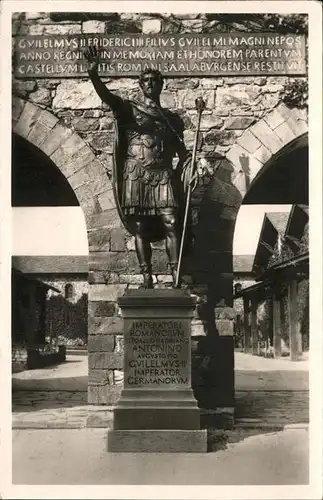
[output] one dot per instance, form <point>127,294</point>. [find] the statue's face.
<point>151,85</point>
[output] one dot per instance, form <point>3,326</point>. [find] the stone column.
<point>299,339</point>
<point>277,304</point>
<point>254,328</point>
<point>42,316</point>
<point>238,327</point>
<point>157,411</point>
<point>246,326</point>
<point>293,321</point>
<point>269,332</point>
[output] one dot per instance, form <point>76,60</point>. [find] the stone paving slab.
<point>259,409</point>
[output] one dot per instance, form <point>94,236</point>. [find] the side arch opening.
<point>36,180</point>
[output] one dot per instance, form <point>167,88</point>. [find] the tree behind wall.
<point>67,320</point>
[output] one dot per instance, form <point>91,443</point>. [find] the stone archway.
<point>261,141</point>
<point>73,157</point>
<point>92,187</point>
<point>243,163</point>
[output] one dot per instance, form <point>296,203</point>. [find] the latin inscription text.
<point>173,55</point>
<point>156,353</point>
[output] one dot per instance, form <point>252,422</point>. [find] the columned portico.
<point>279,281</point>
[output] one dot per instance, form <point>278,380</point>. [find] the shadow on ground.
<point>272,407</point>
<point>218,439</point>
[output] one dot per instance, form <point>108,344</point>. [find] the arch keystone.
<point>266,136</point>
<point>285,133</point>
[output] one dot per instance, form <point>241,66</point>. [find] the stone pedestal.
<point>157,411</point>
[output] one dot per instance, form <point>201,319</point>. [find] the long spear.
<point>200,106</point>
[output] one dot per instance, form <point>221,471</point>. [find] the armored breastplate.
<point>147,141</point>
<point>147,149</point>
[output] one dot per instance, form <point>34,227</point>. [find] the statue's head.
<point>151,82</point>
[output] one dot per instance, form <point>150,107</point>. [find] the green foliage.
<point>291,23</point>
<point>295,93</point>
<point>278,23</point>
<point>284,254</point>
<point>67,319</point>
<point>304,246</point>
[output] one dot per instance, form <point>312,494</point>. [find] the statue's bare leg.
<point>169,219</point>
<point>143,249</point>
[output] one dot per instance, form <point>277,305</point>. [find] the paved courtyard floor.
<point>251,372</point>
<point>268,445</point>
<point>270,393</point>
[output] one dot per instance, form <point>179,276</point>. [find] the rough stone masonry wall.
<point>233,106</point>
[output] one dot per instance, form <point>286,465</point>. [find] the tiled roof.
<point>19,275</point>
<point>243,263</point>
<point>56,264</point>
<point>279,220</point>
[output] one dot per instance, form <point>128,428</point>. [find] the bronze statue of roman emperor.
<point>149,191</point>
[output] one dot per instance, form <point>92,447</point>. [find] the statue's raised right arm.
<point>93,58</point>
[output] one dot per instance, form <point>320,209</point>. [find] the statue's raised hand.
<point>92,56</point>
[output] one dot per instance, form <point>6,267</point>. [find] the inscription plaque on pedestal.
<point>156,354</point>
<point>157,410</point>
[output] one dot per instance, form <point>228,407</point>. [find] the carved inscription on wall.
<point>157,353</point>
<point>173,55</point>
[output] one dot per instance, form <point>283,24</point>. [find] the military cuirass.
<point>149,154</point>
